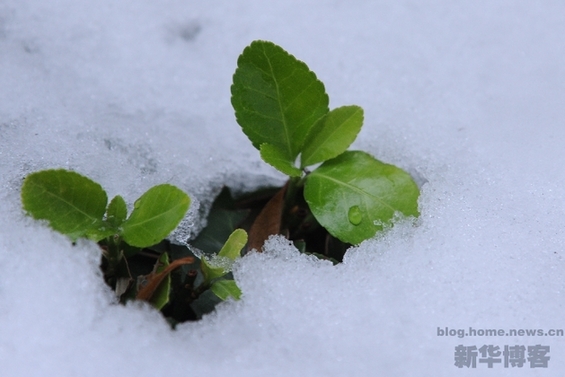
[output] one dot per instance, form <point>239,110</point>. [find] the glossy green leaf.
<point>353,194</point>
<point>332,135</point>
<point>72,204</point>
<point>278,159</point>
<point>117,211</point>
<point>233,246</point>
<point>226,288</point>
<point>276,98</point>
<point>155,215</point>
<point>161,295</point>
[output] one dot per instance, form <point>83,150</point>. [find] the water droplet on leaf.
<point>355,215</point>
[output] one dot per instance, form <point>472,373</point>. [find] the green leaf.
<point>277,158</point>
<point>155,215</point>
<point>117,211</point>
<point>234,244</point>
<point>72,204</point>
<point>214,268</point>
<point>221,264</point>
<point>161,295</point>
<point>276,98</point>
<point>226,288</point>
<point>104,230</point>
<point>354,194</point>
<point>332,135</point>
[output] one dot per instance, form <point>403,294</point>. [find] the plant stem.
<point>293,185</point>
<point>113,253</point>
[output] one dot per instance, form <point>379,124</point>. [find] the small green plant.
<point>136,262</point>
<point>78,207</point>
<point>283,109</point>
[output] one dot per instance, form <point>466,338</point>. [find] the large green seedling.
<point>283,109</point>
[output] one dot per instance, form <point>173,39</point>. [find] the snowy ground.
<point>469,96</point>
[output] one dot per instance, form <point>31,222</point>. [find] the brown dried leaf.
<point>153,279</point>
<point>268,221</point>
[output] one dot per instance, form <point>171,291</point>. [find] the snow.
<point>466,96</point>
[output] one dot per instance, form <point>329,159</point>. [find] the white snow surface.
<point>468,96</point>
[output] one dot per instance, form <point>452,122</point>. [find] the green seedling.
<point>134,262</point>
<point>217,268</point>
<point>75,206</point>
<point>282,107</point>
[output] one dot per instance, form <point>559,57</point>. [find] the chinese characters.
<point>510,356</point>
